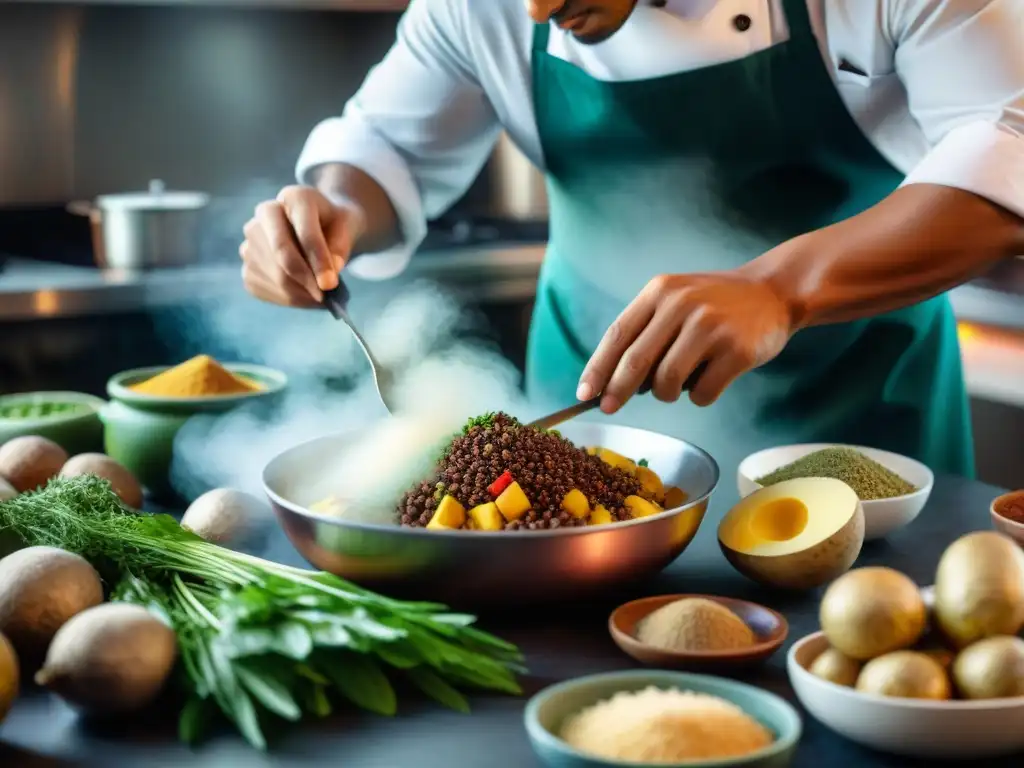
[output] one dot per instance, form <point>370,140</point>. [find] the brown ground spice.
<point>546,466</point>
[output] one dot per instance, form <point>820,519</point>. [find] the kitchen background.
<point>102,98</point>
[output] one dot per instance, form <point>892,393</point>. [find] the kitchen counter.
<point>560,643</point>
<point>31,290</point>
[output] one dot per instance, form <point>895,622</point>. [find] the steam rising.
<point>442,380</point>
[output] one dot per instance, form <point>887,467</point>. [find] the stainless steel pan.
<point>470,568</point>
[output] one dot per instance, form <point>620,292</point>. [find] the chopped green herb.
<point>642,463</point>
<point>484,421</point>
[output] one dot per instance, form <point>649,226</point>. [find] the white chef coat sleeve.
<point>962,64</point>
<point>420,125</point>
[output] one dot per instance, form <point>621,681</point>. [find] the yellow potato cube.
<point>592,450</point>
<point>576,504</point>
<point>600,516</point>
<point>617,460</point>
<point>674,497</point>
<point>486,517</point>
<point>640,507</point>
<point>450,514</point>
<point>512,503</point>
<point>651,483</point>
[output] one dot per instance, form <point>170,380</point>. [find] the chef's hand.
<point>296,245</point>
<point>731,322</point>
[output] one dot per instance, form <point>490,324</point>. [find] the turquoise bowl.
<point>139,429</point>
<point>70,419</point>
<point>548,710</point>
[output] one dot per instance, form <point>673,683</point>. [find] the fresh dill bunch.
<point>111,536</point>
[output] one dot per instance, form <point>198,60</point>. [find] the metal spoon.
<point>562,416</point>
<point>336,302</point>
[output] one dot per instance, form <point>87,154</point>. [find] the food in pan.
<point>499,474</point>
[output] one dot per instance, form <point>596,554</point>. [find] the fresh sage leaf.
<point>361,681</point>
<point>193,720</point>
<point>292,639</point>
<point>437,689</point>
<point>269,692</point>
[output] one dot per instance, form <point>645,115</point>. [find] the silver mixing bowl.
<point>475,567</point>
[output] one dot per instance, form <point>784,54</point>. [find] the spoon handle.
<point>562,416</point>
<point>336,300</point>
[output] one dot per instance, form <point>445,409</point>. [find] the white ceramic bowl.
<point>909,727</point>
<point>1002,524</point>
<point>881,516</point>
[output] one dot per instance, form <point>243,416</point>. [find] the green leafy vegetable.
<point>261,641</point>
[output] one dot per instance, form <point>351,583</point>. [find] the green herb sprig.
<point>259,641</point>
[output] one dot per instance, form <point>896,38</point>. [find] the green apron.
<point>704,170</point>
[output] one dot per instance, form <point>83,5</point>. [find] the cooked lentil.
<point>546,466</point>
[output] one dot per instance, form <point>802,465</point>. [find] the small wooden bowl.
<point>770,629</point>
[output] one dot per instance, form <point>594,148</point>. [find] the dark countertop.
<point>560,643</point>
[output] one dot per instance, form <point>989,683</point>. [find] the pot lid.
<point>156,199</point>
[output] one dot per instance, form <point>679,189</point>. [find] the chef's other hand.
<point>727,320</point>
<point>295,247</point>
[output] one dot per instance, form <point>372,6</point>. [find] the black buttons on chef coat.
<point>742,22</point>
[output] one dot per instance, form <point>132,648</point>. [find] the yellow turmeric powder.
<point>202,376</point>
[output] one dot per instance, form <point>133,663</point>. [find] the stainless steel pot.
<point>145,230</point>
<point>470,568</point>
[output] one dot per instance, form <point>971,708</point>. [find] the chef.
<point>774,192</point>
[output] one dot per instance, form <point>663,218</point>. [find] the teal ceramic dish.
<point>139,429</point>
<point>548,710</point>
<point>70,419</point>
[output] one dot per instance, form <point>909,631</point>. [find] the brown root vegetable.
<point>114,658</point>
<point>227,517</point>
<point>9,676</point>
<point>40,589</point>
<point>29,462</point>
<point>121,480</point>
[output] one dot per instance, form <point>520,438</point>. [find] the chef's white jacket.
<point>936,85</point>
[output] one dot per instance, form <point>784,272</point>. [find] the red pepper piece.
<point>504,481</point>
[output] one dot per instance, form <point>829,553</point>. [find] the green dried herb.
<point>869,479</point>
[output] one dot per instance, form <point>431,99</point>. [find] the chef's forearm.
<point>920,241</point>
<point>352,187</point>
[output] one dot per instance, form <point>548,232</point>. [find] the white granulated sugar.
<point>659,726</point>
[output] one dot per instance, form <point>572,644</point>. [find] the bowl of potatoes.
<point>930,673</point>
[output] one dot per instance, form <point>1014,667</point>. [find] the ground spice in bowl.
<point>202,376</point>
<point>869,479</point>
